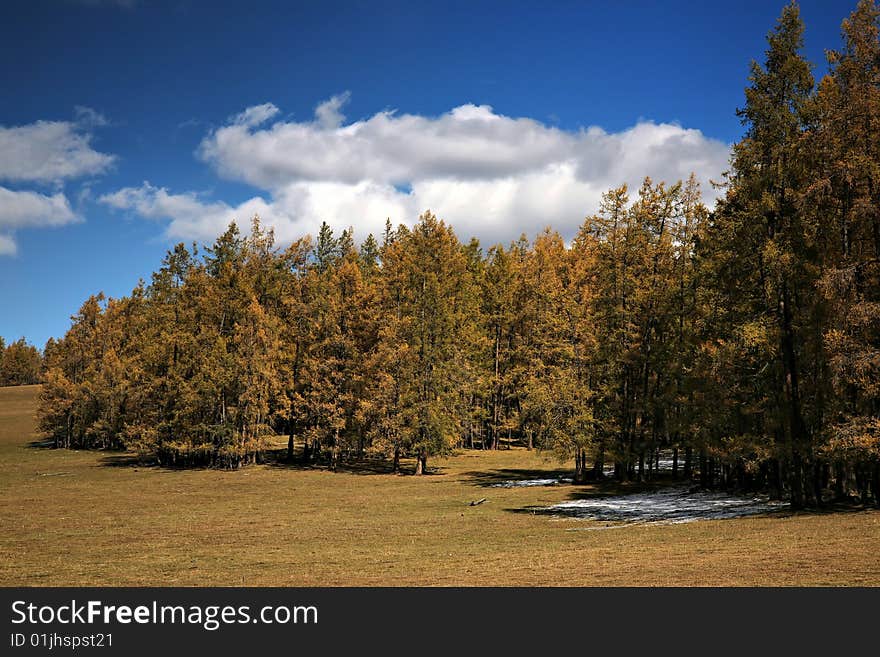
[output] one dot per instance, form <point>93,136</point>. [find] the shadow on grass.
<point>277,458</point>
<point>829,508</point>
<point>41,444</point>
<point>129,460</point>
<point>366,465</point>
<point>493,478</point>
<point>607,486</point>
<point>836,508</point>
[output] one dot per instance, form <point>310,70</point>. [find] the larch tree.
<point>843,201</point>
<point>775,257</point>
<point>20,364</point>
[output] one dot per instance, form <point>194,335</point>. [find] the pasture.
<point>101,519</point>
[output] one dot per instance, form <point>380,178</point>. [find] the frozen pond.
<point>668,506</point>
<point>526,483</point>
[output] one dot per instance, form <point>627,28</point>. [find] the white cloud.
<point>27,209</point>
<point>46,152</point>
<point>7,245</point>
<point>328,114</point>
<point>188,216</point>
<point>51,151</point>
<point>487,174</point>
<point>254,116</point>
<point>89,118</point>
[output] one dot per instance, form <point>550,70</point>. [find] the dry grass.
<point>92,518</point>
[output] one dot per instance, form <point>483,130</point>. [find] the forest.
<point>743,339</point>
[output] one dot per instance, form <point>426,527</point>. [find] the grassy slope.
<point>90,518</point>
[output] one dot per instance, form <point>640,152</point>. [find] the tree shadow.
<point>364,465</point>
<point>592,487</point>
<point>834,508</point>
<point>41,443</point>
<point>273,458</point>
<point>129,460</point>
<point>516,476</point>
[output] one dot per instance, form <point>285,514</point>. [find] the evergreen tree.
<point>775,270</point>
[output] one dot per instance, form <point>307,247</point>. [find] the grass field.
<point>96,518</point>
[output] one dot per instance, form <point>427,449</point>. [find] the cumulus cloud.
<point>187,214</point>
<point>487,174</point>
<point>27,209</point>
<point>52,151</point>
<point>45,153</point>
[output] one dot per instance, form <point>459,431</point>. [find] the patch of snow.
<point>665,465</point>
<point>668,506</point>
<point>525,483</point>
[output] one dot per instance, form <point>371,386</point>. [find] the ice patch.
<point>668,506</point>
<point>525,483</point>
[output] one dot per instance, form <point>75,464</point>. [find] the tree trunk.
<point>861,483</point>
<point>817,483</point>
<point>578,468</point>
<point>496,393</point>
<point>840,488</point>
<point>797,428</point>
<point>334,451</point>
<point>599,464</point>
<point>704,474</point>
<point>778,479</point>
<point>422,463</point>
<point>395,465</point>
<point>796,479</point>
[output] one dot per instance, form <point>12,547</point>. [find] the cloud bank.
<point>487,174</point>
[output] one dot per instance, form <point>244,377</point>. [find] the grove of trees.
<point>20,363</point>
<point>743,339</point>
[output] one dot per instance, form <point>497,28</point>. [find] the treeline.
<point>745,340</point>
<point>21,363</point>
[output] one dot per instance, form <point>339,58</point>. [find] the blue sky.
<point>129,125</point>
